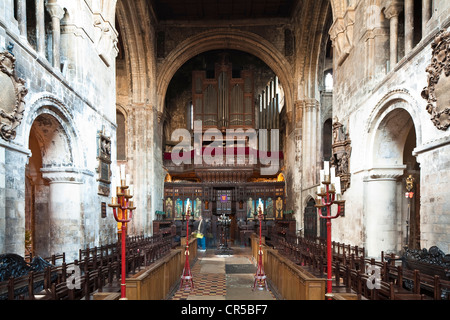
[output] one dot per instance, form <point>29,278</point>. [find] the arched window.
<point>328,80</point>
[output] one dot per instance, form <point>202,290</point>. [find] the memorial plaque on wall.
<point>103,209</point>
<point>104,164</point>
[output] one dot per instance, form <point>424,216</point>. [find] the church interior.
<point>224,150</point>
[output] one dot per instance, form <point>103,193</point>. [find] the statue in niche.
<point>341,150</point>
<point>437,93</point>
<point>12,97</point>
<point>104,164</point>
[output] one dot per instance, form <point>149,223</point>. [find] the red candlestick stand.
<point>186,277</point>
<point>326,197</point>
<point>125,207</point>
<point>260,276</point>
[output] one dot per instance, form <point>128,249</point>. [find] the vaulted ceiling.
<point>222,9</point>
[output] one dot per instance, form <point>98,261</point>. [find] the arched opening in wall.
<point>418,10</point>
<point>49,147</point>
<point>121,136</point>
<point>231,93</point>
<point>48,36</point>
<point>412,192</point>
<point>34,186</point>
<point>31,23</point>
<point>310,220</point>
<point>328,80</point>
<point>401,36</point>
<point>393,221</point>
<point>327,136</point>
<point>218,88</point>
<point>16,9</point>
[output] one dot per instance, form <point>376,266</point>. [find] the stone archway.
<point>226,39</point>
<point>393,134</point>
<point>53,212</point>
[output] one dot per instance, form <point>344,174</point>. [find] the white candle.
<point>333,174</point>
<point>131,189</point>
<point>122,171</point>
<point>322,176</point>
<point>337,183</point>
<point>118,180</point>
<point>326,167</point>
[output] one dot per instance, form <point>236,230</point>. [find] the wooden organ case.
<point>225,100</point>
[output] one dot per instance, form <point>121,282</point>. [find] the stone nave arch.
<point>394,129</point>
<point>226,39</point>
<point>54,171</point>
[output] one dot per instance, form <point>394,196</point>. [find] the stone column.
<point>380,201</point>
<point>426,15</point>
<point>64,211</point>
<point>40,27</point>
<point>409,25</point>
<point>13,160</point>
<point>306,137</point>
<point>392,13</point>
<point>314,145</point>
<point>22,17</point>
<point>57,13</point>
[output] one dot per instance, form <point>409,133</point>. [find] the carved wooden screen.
<point>224,201</point>
<point>223,101</point>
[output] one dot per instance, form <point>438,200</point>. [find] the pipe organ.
<point>224,101</point>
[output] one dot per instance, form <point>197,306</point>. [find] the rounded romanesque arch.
<point>338,7</point>
<point>55,174</point>
<point>47,104</point>
<point>225,39</point>
<point>394,99</point>
<point>393,131</point>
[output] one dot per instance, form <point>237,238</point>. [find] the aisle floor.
<point>223,277</point>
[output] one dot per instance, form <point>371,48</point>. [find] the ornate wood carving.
<point>221,100</point>
<point>104,164</point>
<point>437,93</point>
<point>12,94</point>
<point>341,150</point>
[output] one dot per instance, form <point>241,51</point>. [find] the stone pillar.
<point>409,25</point>
<point>426,15</point>
<point>64,211</point>
<point>306,137</point>
<point>13,160</point>
<point>380,201</point>
<point>310,130</point>
<point>22,17</point>
<point>40,27</point>
<point>392,13</point>
<point>57,13</point>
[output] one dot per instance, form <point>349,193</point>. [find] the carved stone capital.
<point>12,94</point>
<point>105,39</point>
<point>55,10</point>
<point>62,175</point>
<point>393,9</point>
<point>387,173</point>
